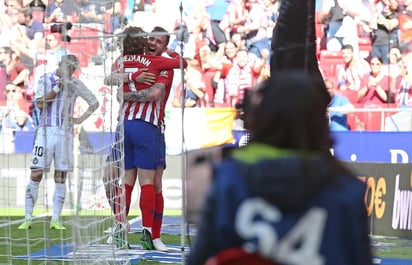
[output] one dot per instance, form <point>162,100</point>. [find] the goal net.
<point>86,214</point>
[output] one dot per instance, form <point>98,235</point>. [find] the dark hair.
<point>288,111</point>
<point>347,47</point>
<point>71,60</point>
<point>158,29</point>
<point>379,58</point>
<point>7,50</point>
<point>135,41</point>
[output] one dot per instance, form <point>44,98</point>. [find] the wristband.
<point>134,75</point>
<point>56,89</point>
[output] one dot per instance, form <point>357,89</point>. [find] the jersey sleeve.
<point>83,92</point>
<point>164,63</point>
<point>163,77</point>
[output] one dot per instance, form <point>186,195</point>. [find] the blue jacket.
<point>267,201</point>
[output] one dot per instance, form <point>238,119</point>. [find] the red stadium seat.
<point>352,95</point>
<point>77,48</point>
<point>92,43</point>
<point>329,62</point>
<point>375,121</point>
<point>365,47</point>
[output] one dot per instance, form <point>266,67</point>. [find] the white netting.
<point>86,213</point>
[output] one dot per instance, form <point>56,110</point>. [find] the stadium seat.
<point>355,119</point>
<point>374,121</point>
<point>365,47</point>
<point>92,44</point>
<point>75,47</point>
<point>352,95</point>
<point>329,62</point>
<point>238,256</point>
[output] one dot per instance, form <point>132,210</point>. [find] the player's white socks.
<point>32,192</point>
<point>58,199</point>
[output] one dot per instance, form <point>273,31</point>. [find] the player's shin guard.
<point>158,216</point>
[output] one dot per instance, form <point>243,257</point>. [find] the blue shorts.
<point>143,145</point>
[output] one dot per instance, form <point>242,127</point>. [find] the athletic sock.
<point>147,204</point>
<point>128,198</point>
<point>32,193</point>
<point>111,194</point>
<point>58,199</point>
<point>158,216</point>
<point>119,204</point>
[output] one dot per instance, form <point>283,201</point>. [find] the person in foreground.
<point>56,96</point>
<point>284,198</point>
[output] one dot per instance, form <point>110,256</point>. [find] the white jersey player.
<point>56,97</point>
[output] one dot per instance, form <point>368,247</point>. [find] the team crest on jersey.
<point>35,161</point>
<point>163,73</point>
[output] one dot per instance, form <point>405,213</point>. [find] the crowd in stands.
<point>364,47</point>
<point>365,50</point>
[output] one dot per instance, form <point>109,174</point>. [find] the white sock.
<point>32,192</point>
<point>58,199</point>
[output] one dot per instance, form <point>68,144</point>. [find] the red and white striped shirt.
<point>152,111</point>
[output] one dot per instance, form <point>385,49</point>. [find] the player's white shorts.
<point>52,143</point>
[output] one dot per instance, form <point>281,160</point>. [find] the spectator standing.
<point>404,95</point>
<point>59,11</point>
<point>405,26</point>
<point>218,82</point>
<point>255,29</point>
<point>339,16</point>
<point>12,33</point>
<point>35,28</point>
<point>267,198</point>
<point>56,98</point>
<point>194,87</point>
<point>201,29</point>
<point>13,5</point>
<point>90,11</point>
<point>272,11</point>
<point>235,16</point>
<point>216,10</point>
<point>243,75</point>
<point>393,70</point>
<point>351,74</point>
<point>386,33</point>
<point>17,73</point>
<point>338,118</point>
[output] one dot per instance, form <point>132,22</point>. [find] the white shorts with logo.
<point>52,143</point>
